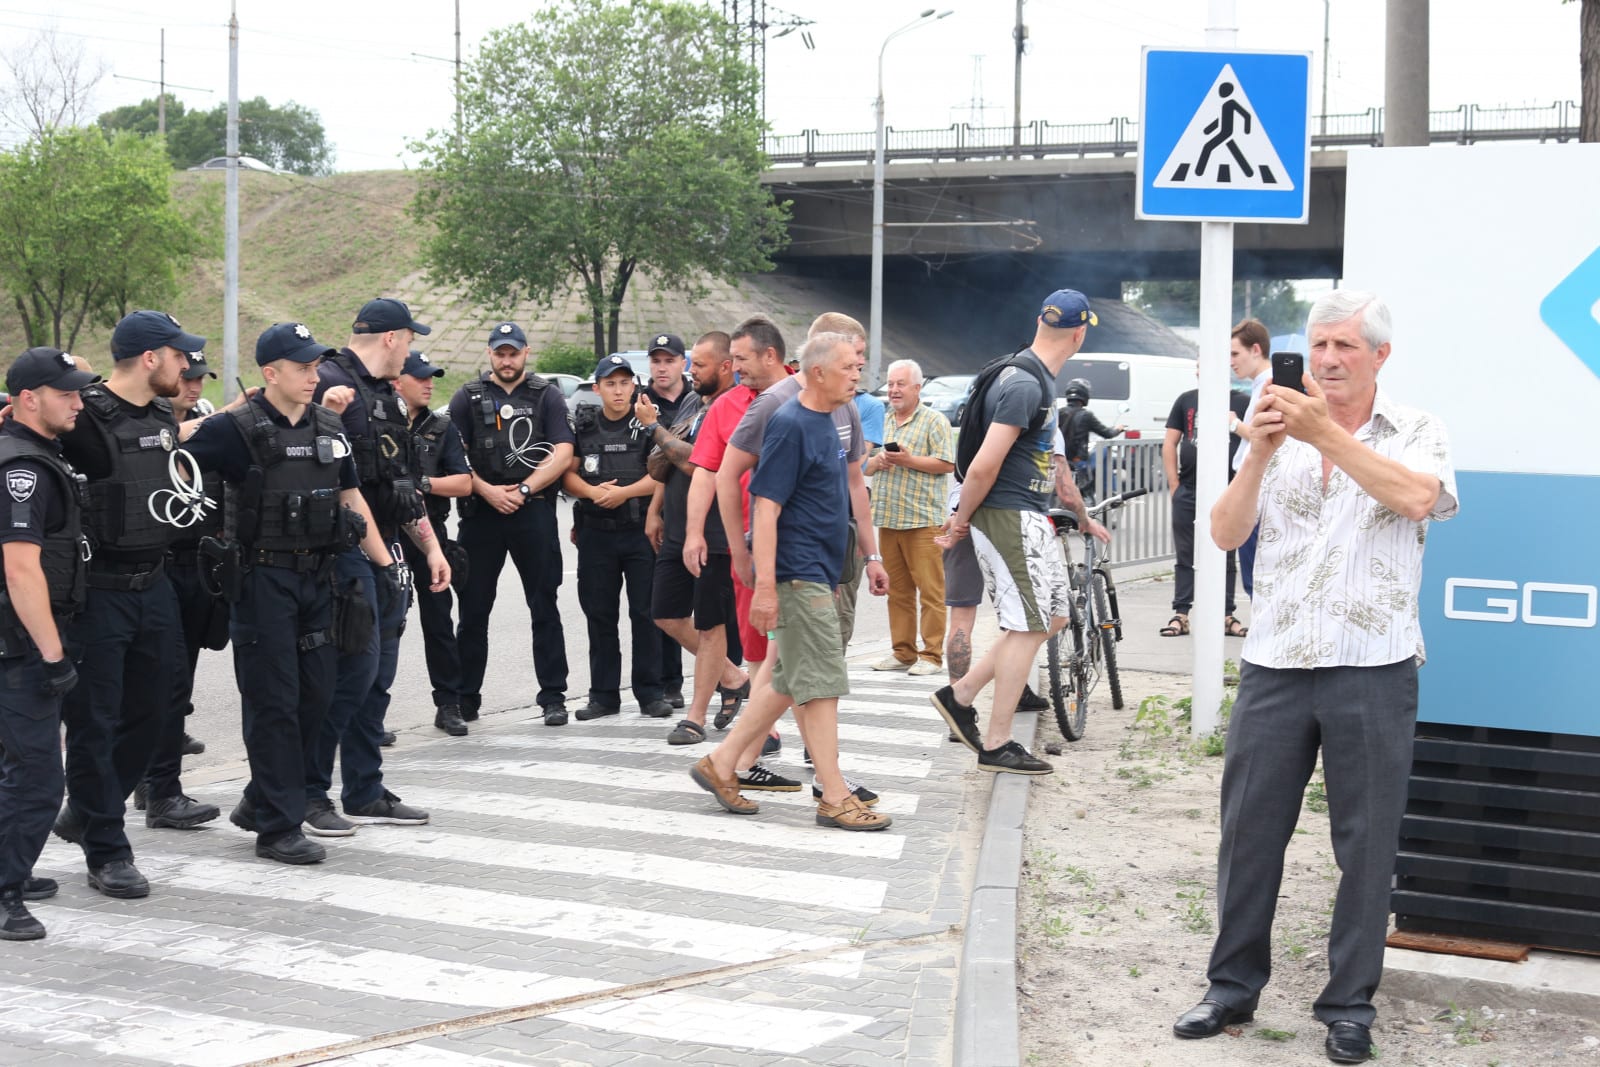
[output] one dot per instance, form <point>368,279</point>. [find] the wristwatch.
<point>522,487</point>
<point>425,485</point>
<point>874,558</point>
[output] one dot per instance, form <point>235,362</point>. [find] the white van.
<point>1134,390</point>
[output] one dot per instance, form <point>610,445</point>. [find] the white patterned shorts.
<point>1022,567</point>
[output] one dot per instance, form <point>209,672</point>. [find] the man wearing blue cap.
<point>1004,499</point>
<point>294,503</point>
<point>520,445</point>
<point>129,631</point>
<point>42,542</point>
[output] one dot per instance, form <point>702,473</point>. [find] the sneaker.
<point>386,739</point>
<point>725,790</point>
<point>323,821</point>
<point>889,663</point>
<point>593,710</point>
<point>1032,701</point>
<point>243,815</point>
<point>961,718</point>
<point>293,847</point>
<point>655,709</point>
<point>555,715</point>
<point>192,746</point>
<point>448,718</point>
<point>179,813</point>
<point>861,792</point>
<point>762,779</point>
<point>851,815</point>
<point>16,921</point>
<point>923,667</point>
<point>389,810</point>
<point>1012,758</point>
<point>40,888</point>
<point>772,745</point>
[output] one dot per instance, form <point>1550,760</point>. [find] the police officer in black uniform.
<point>41,588</point>
<point>514,425</point>
<point>204,620</point>
<point>611,493</point>
<point>129,632</point>
<point>669,390</point>
<point>442,473</point>
<point>293,502</point>
<point>359,379</point>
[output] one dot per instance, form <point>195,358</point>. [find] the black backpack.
<point>970,437</point>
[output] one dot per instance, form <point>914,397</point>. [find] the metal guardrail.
<point>1141,532</point>
<point>1467,124</point>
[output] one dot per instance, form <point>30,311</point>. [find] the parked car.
<point>947,394</point>
<point>245,163</point>
<point>567,383</point>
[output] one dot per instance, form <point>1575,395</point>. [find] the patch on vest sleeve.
<point>21,484</point>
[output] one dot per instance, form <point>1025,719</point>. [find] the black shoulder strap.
<point>260,436</point>
<point>434,426</point>
<point>97,399</point>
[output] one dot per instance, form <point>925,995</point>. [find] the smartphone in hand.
<point>892,446</point>
<point>1288,368</point>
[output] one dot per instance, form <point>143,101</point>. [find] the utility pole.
<point>458,73</point>
<point>161,95</point>
<point>1019,34</point>
<point>1405,73</point>
<point>1327,10</point>
<point>230,267</point>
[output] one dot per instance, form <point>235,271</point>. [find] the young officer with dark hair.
<point>41,539</point>
<point>610,491</point>
<point>129,632</point>
<point>293,503</point>
<point>514,425</point>
<point>442,474</point>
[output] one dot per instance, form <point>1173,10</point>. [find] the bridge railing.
<point>1039,139</point>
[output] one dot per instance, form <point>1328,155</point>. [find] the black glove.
<point>391,591</point>
<point>59,677</point>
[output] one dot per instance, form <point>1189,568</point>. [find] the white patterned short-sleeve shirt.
<point>1337,574</point>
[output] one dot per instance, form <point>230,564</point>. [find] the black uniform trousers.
<point>1183,504</point>
<point>529,536</point>
<point>30,767</point>
<point>284,687</point>
<point>199,613</point>
<point>607,559</point>
<point>438,628</point>
<point>353,727</point>
<point>128,639</point>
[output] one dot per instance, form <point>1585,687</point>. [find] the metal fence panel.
<point>1141,531</point>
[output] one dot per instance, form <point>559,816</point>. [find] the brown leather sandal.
<point>1232,627</point>
<point>1177,626</point>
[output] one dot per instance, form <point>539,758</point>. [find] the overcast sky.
<point>354,61</point>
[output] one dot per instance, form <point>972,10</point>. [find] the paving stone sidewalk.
<point>575,900</point>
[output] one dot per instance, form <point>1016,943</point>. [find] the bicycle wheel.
<point>1107,638</point>
<point>1065,702</point>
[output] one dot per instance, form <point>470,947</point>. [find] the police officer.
<point>514,425</point>
<point>611,493</point>
<point>442,473</point>
<point>293,502</point>
<point>359,380</point>
<point>204,620</point>
<point>669,390</point>
<point>129,632</point>
<point>41,588</point>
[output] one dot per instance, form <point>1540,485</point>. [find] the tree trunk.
<point>619,289</point>
<point>1589,64</point>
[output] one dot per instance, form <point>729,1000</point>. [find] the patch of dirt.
<point>1115,917</point>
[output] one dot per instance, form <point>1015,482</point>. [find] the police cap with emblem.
<point>507,333</point>
<point>418,366</point>
<point>291,341</point>
<point>666,342</point>
<point>197,367</point>
<point>385,314</point>
<point>39,367</point>
<point>143,331</point>
<point>1067,309</point>
<point>611,365</point>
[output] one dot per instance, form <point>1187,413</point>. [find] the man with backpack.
<point>1005,493</point>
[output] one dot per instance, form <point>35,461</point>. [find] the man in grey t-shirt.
<point>1003,508</point>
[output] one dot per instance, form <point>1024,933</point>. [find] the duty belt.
<point>301,561</point>
<point>125,581</point>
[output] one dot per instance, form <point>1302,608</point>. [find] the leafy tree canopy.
<point>89,231</point>
<point>601,138</point>
<point>290,137</point>
<point>1177,303</point>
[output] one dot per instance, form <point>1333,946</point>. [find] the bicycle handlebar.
<point>1111,503</point>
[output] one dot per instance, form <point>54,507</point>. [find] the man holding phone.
<point>1331,663</point>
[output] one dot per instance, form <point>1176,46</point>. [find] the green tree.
<point>143,117</point>
<point>563,357</point>
<point>290,137</point>
<point>601,138</point>
<point>1177,303</point>
<point>89,230</point>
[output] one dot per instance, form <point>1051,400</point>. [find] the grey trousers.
<point>1363,719</point>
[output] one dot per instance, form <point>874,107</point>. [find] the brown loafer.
<point>724,789</point>
<point>851,815</point>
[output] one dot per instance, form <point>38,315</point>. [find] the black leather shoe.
<point>68,826</point>
<point>40,888</point>
<point>178,813</point>
<point>16,921</point>
<point>596,710</point>
<point>1207,1018</point>
<point>1348,1042</point>
<point>656,709</point>
<point>469,712</point>
<point>119,878</point>
<point>293,848</point>
<point>448,719</point>
<point>192,746</point>
<point>675,697</point>
<point>555,715</point>
<point>387,739</point>
<point>243,815</point>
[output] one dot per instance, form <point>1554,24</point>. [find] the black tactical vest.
<point>119,513</point>
<point>505,435</point>
<point>289,501</point>
<point>384,457</point>
<point>428,437</point>
<point>64,553</point>
<point>609,453</point>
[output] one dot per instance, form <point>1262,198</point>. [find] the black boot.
<point>448,719</point>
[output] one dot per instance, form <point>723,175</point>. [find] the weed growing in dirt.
<point>1317,795</point>
<point>1194,914</point>
<point>1267,1034</point>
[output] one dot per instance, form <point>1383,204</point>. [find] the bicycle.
<point>1094,624</point>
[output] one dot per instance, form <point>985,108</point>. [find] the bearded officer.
<point>41,588</point>
<point>129,633</point>
<point>611,493</point>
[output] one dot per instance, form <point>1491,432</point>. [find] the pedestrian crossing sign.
<point>1224,136</point>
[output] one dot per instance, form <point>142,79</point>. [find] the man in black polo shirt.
<point>514,425</point>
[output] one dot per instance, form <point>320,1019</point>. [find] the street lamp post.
<point>875,329</point>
